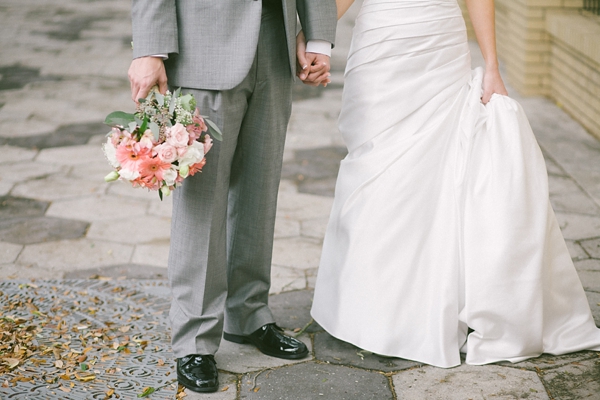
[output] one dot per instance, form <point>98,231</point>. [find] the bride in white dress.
<point>442,239</point>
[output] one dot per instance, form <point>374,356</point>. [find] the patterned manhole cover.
<point>85,339</point>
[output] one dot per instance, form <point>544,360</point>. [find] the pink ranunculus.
<point>166,152</point>
<point>115,136</point>
<point>147,140</point>
<point>177,135</point>
<point>208,142</point>
<point>130,156</point>
<point>197,127</point>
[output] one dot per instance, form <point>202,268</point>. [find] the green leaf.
<point>155,130</point>
<point>144,125</point>
<point>147,392</point>
<point>160,99</point>
<point>213,129</point>
<point>84,367</point>
<point>187,102</point>
<point>172,105</point>
<point>177,93</point>
<point>160,196</point>
<point>119,118</point>
<point>131,127</point>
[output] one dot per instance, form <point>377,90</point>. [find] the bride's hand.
<point>492,83</point>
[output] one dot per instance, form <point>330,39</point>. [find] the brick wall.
<point>574,66</point>
<point>551,48</point>
<point>524,43</point>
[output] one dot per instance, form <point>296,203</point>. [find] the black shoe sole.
<point>196,389</point>
<point>236,338</point>
<point>244,340</point>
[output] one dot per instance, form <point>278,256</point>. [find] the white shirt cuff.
<point>163,56</point>
<point>319,46</point>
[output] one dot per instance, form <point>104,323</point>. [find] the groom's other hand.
<point>144,73</point>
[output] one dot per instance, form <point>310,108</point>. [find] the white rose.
<point>111,153</point>
<point>128,174</point>
<point>169,176</point>
<point>194,154</point>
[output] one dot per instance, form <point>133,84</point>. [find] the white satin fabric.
<point>441,220</point>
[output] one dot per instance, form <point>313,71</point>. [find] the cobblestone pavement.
<point>85,261</point>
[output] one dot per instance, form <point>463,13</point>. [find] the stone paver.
<point>578,380</point>
<point>592,247</point>
<point>332,350</point>
<point>316,381</point>
<point>41,229</point>
<point>67,255</point>
<point>469,382</point>
<point>100,251</point>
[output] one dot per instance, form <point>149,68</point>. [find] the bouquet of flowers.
<point>161,144</point>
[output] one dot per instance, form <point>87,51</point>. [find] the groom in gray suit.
<point>238,58</point>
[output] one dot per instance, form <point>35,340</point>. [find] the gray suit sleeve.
<point>318,19</point>
<point>154,24</point>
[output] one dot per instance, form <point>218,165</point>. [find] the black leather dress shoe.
<point>198,373</point>
<point>270,340</point>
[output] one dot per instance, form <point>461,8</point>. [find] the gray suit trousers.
<point>223,218</point>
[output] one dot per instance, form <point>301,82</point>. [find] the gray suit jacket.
<point>212,43</point>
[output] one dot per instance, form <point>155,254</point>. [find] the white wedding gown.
<point>441,220</point>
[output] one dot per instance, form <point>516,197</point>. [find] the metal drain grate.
<point>93,339</point>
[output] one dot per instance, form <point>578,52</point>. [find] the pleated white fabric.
<point>441,220</point>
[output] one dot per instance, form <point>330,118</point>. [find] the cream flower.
<point>128,174</point>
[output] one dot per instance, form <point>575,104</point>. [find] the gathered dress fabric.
<point>441,220</point>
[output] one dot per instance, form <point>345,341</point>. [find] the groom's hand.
<point>319,65</point>
<point>144,73</point>
<point>312,68</point>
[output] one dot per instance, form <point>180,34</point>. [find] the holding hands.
<point>312,68</point>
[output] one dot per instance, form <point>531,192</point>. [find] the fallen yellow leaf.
<point>11,362</point>
<point>85,377</point>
